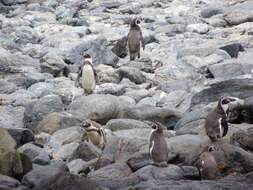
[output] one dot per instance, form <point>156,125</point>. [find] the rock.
<point>120,48</point>
<point>14,164</point>
<point>54,65</point>
<point>148,101</point>
<point>232,87</point>
<point>132,74</point>
<point>184,145</point>
<point>65,152</point>
<point>137,95</point>
<point>46,176</point>
<point>167,117</point>
<point>21,135</point>
<point>77,166</point>
<point>41,89</point>
<point>243,138</point>
<point>36,110</point>
<point>7,182</point>
<point>191,172</point>
<point>233,49</point>
<point>42,159</point>
<point>12,117</point>
<point>121,124</point>
<point>172,172</point>
<point>112,171</point>
<point>23,97</point>
<point>111,88</point>
<point>7,87</point>
<point>6,139</point>
<point>239,13</point>
<point>55,121</point>
<point>31,150</point>
<point>211,11</point>
<point>13,2</point>
<point>226,70</point>
<point>139,160</point>
<point>122,148</point>
<point>97,107</point>
<point>198,28</point>
<point>68,135</point>
<point>33,78</point>
<point>86,151</point>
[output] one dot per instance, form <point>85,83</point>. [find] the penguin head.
<point>136,22</point>
<point>86,124</point>
<point>87,57</point>
<point>223,103</point>
<point>157,127</point>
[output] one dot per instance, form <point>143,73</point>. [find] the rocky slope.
<point>196,51</point>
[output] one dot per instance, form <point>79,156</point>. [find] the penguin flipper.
<point>224,124</point>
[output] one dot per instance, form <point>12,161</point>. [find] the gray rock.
<point>148,101</point>
<point>198,28</point>
<point>169,87</point>
<point>243,138</point>
<point>54,65</point>
<point>7,87</point>
<point>137,95</point>
<point>55,121</point>
<point>21,135</point>
<point>13,2</point>
<point>139,160</point>
<point>234,87</point>
<point>42,159</point>
<point>85,151</point>
<point>226,70</point>
<point>131,73</point>
<point>191,172</point>
<point>111,88</point>
<point>7,182</point>
<point>41,89</point>
<point>26,35</point>
<point>210,11</point>
<point>31,150</point>
<point>77,166</point>
<point>97,107</point>
<point>121,124</point>
<point>36,110</point>
<point>33,78</point>
<point>120,48</point>
<point>65,152</point>
<point>233,49</point>
<point>68,135</point>
<point>167,117</point>
<point>113,171</point>
<point>11,117</point>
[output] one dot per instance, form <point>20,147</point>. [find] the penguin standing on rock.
<point>208,165</point>
<point>94,132</point>
<point>134,37</point>
<point>158,146</point>
<point>88,74</point>
<point>216,122</point>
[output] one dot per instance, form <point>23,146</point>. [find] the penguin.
<point>208,166</point>
<point>216,125</point>
<point>158,146</point>
<point>94,132</point>
<point>88,74</point>
<point>134,37</point>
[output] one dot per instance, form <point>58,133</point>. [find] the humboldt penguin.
<point>158,146</point>
<point>94,132</point>
<point>216,122</point>
<point>208,166</point>
<point>88,74</point>
<point>134,37</point>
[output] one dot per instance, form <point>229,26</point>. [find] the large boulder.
<point>6,139</point>
<point>97,107</point>
<point>14,163</point>
<point>37,109</point>
<point>241,88</point>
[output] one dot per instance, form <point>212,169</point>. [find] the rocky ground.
<point>196,51</point>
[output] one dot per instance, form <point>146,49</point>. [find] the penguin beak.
<point>153,126</point>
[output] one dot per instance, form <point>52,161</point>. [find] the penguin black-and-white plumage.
<point>216,122</point>
<point>134,38</point>
<point>95,133</point>
<point>88,74</point>
<point>158,146</point>
<point>208,166</point>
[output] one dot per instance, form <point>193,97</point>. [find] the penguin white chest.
<point>88,78</point>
